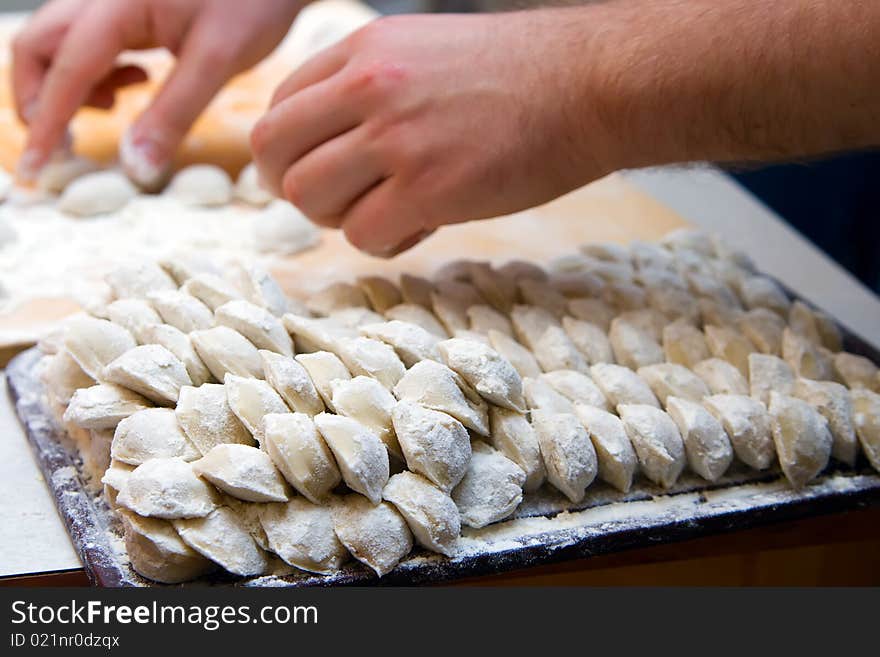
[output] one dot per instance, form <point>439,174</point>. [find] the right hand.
<point>65,57</point>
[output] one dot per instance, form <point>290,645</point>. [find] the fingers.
<point>104,93</point>
<point>320,67</point>
<point>298,124</point>
<point>330,178</point>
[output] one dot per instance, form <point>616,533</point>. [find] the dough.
<point>167,488</point>
<point>149,434</point>
<point>260,288</point>
<point>370,403</point>
<point>224,538</point>
<point>246,473</point>
<point>150,370</point>
<point>317,334</point>
<point>568,453</point>
<point>250,400</point>
<point>491,489</point>
<point>419,316</point>
<point>96,193</point>
<point>156,551</point>
<point>452,311</point>
<point>616,458</point>
<point>684,344</point>
<point>139,279</point>
<point>540,395</point>
<point>857,371</point>
<point>513,436</point>
<point>760,291</point>
<point>381,293</point>
<point>179,344</point>
<point>411,342</point>
<point>721,377</point>
<point>416,290</point>
<point>257,324</point>
<point>356,317</point>
<point>281,228</point>
<point>592,310</point>
<point>803,441</point>
<point>336,296</point>
<point>747,424</point>
<point>114,480</point>
<point>300,453</point>
<point>292,382</point>
<point>93,343</point>
<point>302,534</point>
<point>833,401</point>
<point>324,367</point>
<point>248,188</point>
<point>622,386</point>
<point>542,295</point>
<point>554,350</point>
<point>577,387</point>
<point>708,449</point>
<point>656,440</point>
<point>435,444</point>
<point>430,513</point>
<point>497,288</point>
<point>437,387</point>
<point>484,318</point>
<point>769,373</point>
<point>713,313</point>
<point>518,356</point>
<point>590,340</point>
<point>806,359</point>
<point>63,376</point>
<point>103,406</point>
<point>203,185</point>
<point>671,380</point>
<point>205,417</point>
<point>360,455</point>
<point>764,328</point>
<point>530,323</point>
<point>377,536</point>
<point>182,311</point>
<point>731,345</point>
<point>226,351</point>
<point>491,375</point>
<point>134,315</point>
<point>211,290</point>
<point>674,303</point>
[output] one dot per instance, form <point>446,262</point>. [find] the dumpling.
<point>543,295</point>
<point>302,534</point>
<point>484,318</point>
<point>225,351</point>
<point>769,373</point>
<point>150,370</point>
<point>486,370</point>
<point>411,342</point>
<point>590,339</point>
<point>530,323</point>
<point>281,228</point>
<point>806,359</point>
<point>708,449</point>
<point>540,395</point>
<point>764,328</point>
<point>322,334</point>
<point>621,385</point>
<point>435,386</point>
<point>617,461</point>
<point>184,263</point>
<point>499,289</point>
<point>370,403</point>
<point>730,345</point>
<point>211,290</point>
<point>179,344</point>
<point>257,324</point>
<point>416,290</point>
<point>656,440</point>
<point>803,441</point>
<point>223,537</point>
<point>258,286</point>
<point>114,479</point>
<point>360,455</point>
<point>204,185</point>
<point>336,296</point>
<point>521,358</point>
<point>491,489</point>
<point>833,401</point>
<point>63,376</point>
<point>434,444</point>
<point>205,417</point>
<point>632,346</point>
<point>324,367</point>
<point>93,343</point>
<point>568,453</point>
<point>721,377</point>
<point>182,310</point>
<point>250,400</point>
<point>554,350</point>
<point>380,292</point>
<point>300,453</point>
<point>576,387</point>
<point>513,436</point>
<point>761,291</point>
<point>356,317</point>
<point>167,488</point>
<point>134,315</point>
<point>866,418</point>
<point>246,473</point>
<point>747,424</point>
<point>854,370</point>
<point>684,344</point>
<point>592,310</point>
<point>430,513</point>
<point>418,315</point>
<point>376,535</point>
<point>103,406</point>
<point>670,379</point>
<point>248,188</point>
<point>371,358</point>
<point>149,434</point>
<point>292,382</point>
<point>96,193</point>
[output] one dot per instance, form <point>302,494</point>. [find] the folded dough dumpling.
<point>182,310</point>
<point>411,342</point>
<point>708,449</point>
<point>224,351</point>
<point>633,347</point>
<point>764,328</point>
<point>540,395</point>
<point>211,290</point>
<point>149,434</point>
<point>167,488</point>
<point>567,451</point>
<point>114,480</point>
<point>617,460</point>
<point>435,444</point>
<point>360,455</point>
<point>138,279</point>
<point>435,386</point>
<point>854,370</point>
<point>514,437</point>
<point>521,358</point>
<point>63,376</point>
<point>380,292</point>
<point>258,286</point>
<point>324,367</point>
<point>179,344</point>
<point>245,472</point>
<point>485,318</point>
<point>657,442</point>
<point>621,385</point>
<point>205,185</point>
<point>336,296</point>
<point>684,344</point>
<point>490,374</point>
<point>767,374</point>
<point>291,380</point>
<point>577,387</point>
<point>370,403</point>
<point>150,370</point>
<point>93,343</point>
<point>672,380</point>
<point>530,323</point>
<point>866,417</point>
<point>134,315</point>
<point>833,401</point>
<point>297,449</point>
<point>543,295</point>
<point>430,513</point>
<point>747,424</point>
<point>256,324</point>
<point>731,345</point>
<point>103,406</point>
<point>376,535</point>
<point>491,489</point>
<point>206,418</point>
<point>371,358</point>
<point>156,551</point>
<point>223,538</point>
<point>721,377</point>
<point>554,350</point>
<point>807,359</point>
<point>590,340</point>
<point>250,400</point>
<point>302,534</point>
<point>803,441</point>
<point>592,310</point>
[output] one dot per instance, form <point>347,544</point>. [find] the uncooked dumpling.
<point>430,513</point>
<point>248,188</point>
<point>491,488</point>
<point>684,344</point>
<point>223,538</point>
<point>292,382</point>
<point>376,535</point>
<point>521,358</point>
<point>747,424</point>
<point>485,318</point>
<point>514,437</point>
<point>167,488</point>
<point>321,334</point>
<point>179,344</point>
<point>540,395</point>
<point>96,193</point>
<point>803,441</point>
<point>568,453</point>
<point>866,417</point>
<point>673,380</point>
<point>371,358</point>
<point>833,401</point>
<point>857,371</point>
<point>302,534</point>
<point>281,228</point>
<point>633,347</point>
<point>182,310</point>
<point>260,288</point>
<point>246,473</point>
<point>336,296</point>
<point>418,315</point>
<point>136,280</point>
<point>577,387</point>
<point>103,406</point>
<point>360,455</point>
<point>149,434</point>
<point>150,370</point>
<point>134,315</point>
<point>370,403</point>
<point>93,343</point>
<point>381,293</point>
<point>250,400</point>
<point>708,449</point>
<point>657,442</point>
<point>206,419</point>
<point>590,339</point>
<point>416,290</point>
<point>554,350</point>
<point>204,185</point>
<point>767,374</point>
<point>210,289</point>
<point>225,351</point>
<point>257,324</point>
<point>621,385</point>
<point>324,367</point>
<point>411,342</point>
<point>617,461</point>
<point>63,376</point>
<point>721,377</point>
<point>491,375</point>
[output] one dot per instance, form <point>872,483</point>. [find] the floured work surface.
<point>546,528</point>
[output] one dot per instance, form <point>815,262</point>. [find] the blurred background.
<point>833,201</point>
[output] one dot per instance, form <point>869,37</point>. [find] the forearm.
<point>735,80</point>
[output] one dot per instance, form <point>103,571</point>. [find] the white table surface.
<point>33,539</point>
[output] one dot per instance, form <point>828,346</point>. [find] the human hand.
<point>65,58</point>
<point>418,121</point>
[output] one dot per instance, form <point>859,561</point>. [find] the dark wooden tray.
<point>545,529</point>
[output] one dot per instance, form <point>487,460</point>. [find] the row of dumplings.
<point>416,399</point>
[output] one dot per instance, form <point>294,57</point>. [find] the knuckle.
<point>379,78</point>
<point>292,188</point>
<point>259,138</point>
